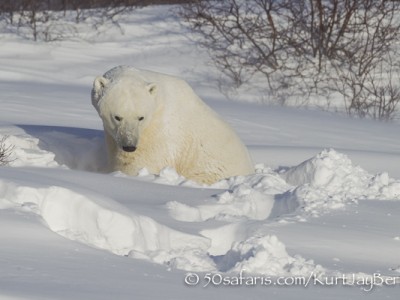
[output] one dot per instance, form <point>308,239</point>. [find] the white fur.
<point>178,130</point>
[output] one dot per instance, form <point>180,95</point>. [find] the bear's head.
<point>126,106</point>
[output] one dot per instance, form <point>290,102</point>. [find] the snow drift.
<point>325,182</point>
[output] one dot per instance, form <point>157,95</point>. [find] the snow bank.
<point>101,222</point>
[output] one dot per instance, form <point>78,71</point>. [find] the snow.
<point>323,202</point>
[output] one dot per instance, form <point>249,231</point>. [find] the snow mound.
<point>25,152</point>
<point>167,176</point>
<point>266,255</point>
<point>252,197</point>
<point>325,182</point>
<point>330,181</point>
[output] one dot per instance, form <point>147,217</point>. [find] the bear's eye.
<point>141,118</point>
<point>118,118</point>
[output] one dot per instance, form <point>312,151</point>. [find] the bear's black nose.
<point>129,148</point>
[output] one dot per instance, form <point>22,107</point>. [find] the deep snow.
<point>324,201</point>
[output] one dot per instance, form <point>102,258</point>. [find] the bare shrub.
<point>46,20</point>
<point>373,94</point>
<point>368,75</point>
<point>306,48</point>
<point>242,37</point>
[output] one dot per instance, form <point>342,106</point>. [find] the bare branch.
<point>5,151</point>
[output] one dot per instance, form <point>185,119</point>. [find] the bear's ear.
<point>99,85</point>
<point>152,88</point>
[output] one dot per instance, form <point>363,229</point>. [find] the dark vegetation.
<point>307,48</point>
<point>313,50</point>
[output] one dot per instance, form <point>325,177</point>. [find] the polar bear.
<point>152,120</point>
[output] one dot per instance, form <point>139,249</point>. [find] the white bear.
<point>153,121</point>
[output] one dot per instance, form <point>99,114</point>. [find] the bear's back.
<point>168,84</point>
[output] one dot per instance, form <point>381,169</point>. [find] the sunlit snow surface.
<point>324,200</point>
